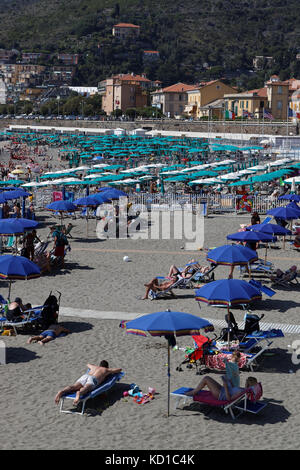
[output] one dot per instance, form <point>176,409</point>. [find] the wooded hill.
<point>196,40</point>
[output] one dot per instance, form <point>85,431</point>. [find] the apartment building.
<point>172,100</point>
<point>200,96</point>
<point>123,91</point>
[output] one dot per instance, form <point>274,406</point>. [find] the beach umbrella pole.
<point>9,289</point>
<point>169,375</point>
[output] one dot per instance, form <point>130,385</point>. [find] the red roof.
<point>129,76</point>
<point>125,25</point>
<point>178,87</point>
<point>260,92</point>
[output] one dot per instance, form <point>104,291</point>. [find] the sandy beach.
<point>98,290</point>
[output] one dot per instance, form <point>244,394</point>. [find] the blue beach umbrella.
<point>15,194</point>
<point>232,255</point>
<point>114,193</point>
<point>293,205</point>
<point>16,226</point>
<point>251,236</point>
<point>168,324</point>
<point>61,207</point>
<point>227,292</point>
<point>286,213</point>
<point>17,267</point>
<point>271,229</point>
<point>2,199</point>
<point>290,197</point>
<point>88,201</point>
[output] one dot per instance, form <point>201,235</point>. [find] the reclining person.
<point>50,334</point>
<point>189,270</point>
<point>155,286</point>
<point>227,392</point>
<point>288,275</point>
<point>88,381</point>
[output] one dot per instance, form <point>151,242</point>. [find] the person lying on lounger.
<point>88,381</point>
<point>223,393</point>
<point>155,285</point>
<point>50,334</point>
<point>189,270</point>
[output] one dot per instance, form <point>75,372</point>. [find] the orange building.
<point>124,91</point>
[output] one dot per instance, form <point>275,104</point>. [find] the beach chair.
<point>166,292</point>
<point>104,387</point>
<point>258,267</point>
<point>262,288</point>
<point>285,279</point>
<point>254,340</point>
<point>199,277</point>
<point>246,402</point>
<point>31,318</point>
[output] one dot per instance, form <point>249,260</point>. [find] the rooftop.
<point>125,25</point>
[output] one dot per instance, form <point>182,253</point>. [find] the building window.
<point>279,90</point>
<point>279,104</point>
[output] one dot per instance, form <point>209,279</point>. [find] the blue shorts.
<point>48,333</point>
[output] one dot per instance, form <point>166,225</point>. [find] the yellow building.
<point>250,103</point>
<point>200,96</point>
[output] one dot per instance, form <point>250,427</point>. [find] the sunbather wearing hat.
<point>88,382</point>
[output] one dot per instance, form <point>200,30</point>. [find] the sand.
<point>98,290</point>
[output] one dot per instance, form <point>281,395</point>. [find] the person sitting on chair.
<point>156,286</point>
<point>189,270</point>
<point>15,310</point>
<point>50,334</point>
<point>223,393</point>
<point>88,381</point>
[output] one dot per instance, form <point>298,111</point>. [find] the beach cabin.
<point>119,131</point>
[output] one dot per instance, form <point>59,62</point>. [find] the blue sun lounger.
<point>104,387</point>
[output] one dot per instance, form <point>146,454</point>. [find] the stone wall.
<point>231,127</point>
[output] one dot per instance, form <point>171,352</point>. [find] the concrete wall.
<point>214,127</point>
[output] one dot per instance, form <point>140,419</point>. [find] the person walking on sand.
<point>88,381</point>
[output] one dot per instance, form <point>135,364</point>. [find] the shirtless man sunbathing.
<point>50,334</point>
<point>88,381</point>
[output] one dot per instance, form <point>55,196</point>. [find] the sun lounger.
<point>166,292</point>
<point>104,387</point>
<point>285,279</point>
<point>31,317</point>
<point>255,339</point>
<point>266,290</point>
<point>247,401</point>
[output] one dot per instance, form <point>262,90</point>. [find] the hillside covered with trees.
<point>196,40</point>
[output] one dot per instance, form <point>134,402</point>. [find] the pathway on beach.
<point>107,315</point>
<point>163,252</point>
